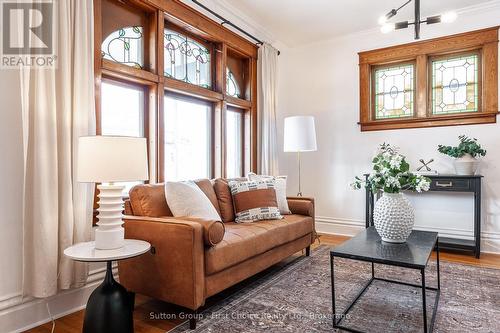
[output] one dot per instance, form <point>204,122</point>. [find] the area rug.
<point>297,298</point>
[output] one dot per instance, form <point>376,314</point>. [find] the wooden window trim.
<point>244,142</point>
<point>484,41</point>
<point>182,18</point>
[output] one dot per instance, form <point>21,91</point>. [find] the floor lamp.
<point>300,136</point>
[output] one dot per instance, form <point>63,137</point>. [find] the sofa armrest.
<point>174,270</point>
<point>301,206</point>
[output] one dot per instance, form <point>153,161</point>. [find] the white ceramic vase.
<point>393,217</point>
<point>466,165</point>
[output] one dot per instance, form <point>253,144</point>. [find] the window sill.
<point>435,121</point>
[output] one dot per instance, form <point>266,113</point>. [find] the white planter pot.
<point>393,217</point>
<point>466,165</point>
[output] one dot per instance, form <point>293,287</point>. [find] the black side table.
<point>110,306</point>
<point>413,254</point>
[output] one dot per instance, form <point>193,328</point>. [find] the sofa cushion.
<point>149,200</point>
<point>225,199</point>
<point>244,241</point>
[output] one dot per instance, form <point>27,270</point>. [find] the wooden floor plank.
<point>72,323</point>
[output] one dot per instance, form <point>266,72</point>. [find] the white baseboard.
<point>18,314</point>
<point>490,241</point>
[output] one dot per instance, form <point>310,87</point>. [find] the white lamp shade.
<point>103,159</point>
<point>300,134</point>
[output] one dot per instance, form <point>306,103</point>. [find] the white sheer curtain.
<point>58,107</point>
<point>267,83</point>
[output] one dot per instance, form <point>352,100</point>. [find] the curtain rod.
<point>224,21</point>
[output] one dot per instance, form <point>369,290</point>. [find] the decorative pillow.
<point>187,199</point>
<point>280,190</point>
<point>255,200</point>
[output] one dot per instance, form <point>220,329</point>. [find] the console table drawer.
<point>449,184</point>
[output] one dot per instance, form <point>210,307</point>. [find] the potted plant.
<point>393,213</point>
<point>465,154</point>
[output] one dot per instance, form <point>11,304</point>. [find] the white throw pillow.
<point>187,199</point>
<point>280,190</point>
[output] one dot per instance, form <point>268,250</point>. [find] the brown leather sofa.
<point>192,259</point>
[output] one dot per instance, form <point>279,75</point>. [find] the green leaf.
<point>136,29</point>
<point>121,32</point>
<point>127,46</point>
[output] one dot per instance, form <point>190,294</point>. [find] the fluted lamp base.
<point>110,233</point>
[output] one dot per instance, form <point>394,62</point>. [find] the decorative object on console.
<point>424,169</point>
<point>387,27</point>
<point>465,155</point>
<point>280,182</point>
<point>393,215</point>
<point>187,199</point>
<point>106,160</point>
<point>300,136</point>
<point>255,200</point>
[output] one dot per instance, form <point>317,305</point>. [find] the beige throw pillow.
<point>187,199</point>
<point>280,190</point>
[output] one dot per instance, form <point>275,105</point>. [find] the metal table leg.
<point>424,303</point>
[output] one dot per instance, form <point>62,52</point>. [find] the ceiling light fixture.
<point>387,27</point>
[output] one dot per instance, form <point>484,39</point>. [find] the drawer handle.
<point>448,184</point>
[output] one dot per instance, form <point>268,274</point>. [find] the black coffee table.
<point>414,254</point>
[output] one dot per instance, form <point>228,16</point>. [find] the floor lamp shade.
<point>300,134</point>
<point>109,159</point>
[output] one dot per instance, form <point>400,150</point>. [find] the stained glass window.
<point>394,92</point>
<point>232,88</point>
<point>186,59</point>
<point>455,84</point>
<point>125,46</point>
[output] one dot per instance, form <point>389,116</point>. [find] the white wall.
<point>321,79</point>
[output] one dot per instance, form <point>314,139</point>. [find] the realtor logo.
<point>27,33</point>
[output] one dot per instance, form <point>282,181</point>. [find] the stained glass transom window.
<point>186,59</point>
<point>455,85</point>
<point>394,92</point>
<point>125,46</point>
<point>232,88</point>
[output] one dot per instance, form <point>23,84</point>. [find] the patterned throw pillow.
<point>255,200</point>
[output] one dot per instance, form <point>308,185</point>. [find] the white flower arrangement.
<point>391,173</point>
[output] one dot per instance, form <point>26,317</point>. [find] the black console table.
<point>448,183</point>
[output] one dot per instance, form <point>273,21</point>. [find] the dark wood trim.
<point>440,45</point>
<point>190,19</point>
<point>463,119</point>
<point>154,16</point>
<point>484,42</point>
<point>188,89</point>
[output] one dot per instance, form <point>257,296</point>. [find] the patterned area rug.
<point>297,298</point>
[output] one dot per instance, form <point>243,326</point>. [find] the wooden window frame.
<point>180,17</point>
<point>484,41</point>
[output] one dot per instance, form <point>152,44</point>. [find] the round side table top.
<point>87,251</point>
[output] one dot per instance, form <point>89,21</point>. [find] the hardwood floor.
<point>145,306</point>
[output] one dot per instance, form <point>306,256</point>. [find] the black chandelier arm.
<point>407,2</point>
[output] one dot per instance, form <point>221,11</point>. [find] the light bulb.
<point>449,17</point>
<point>382,19</point>
<point>388,27</point>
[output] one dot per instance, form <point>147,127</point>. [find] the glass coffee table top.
<point>368,246</point>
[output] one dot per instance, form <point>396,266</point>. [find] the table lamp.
<point>300,136</point>
<point>105,160</point>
